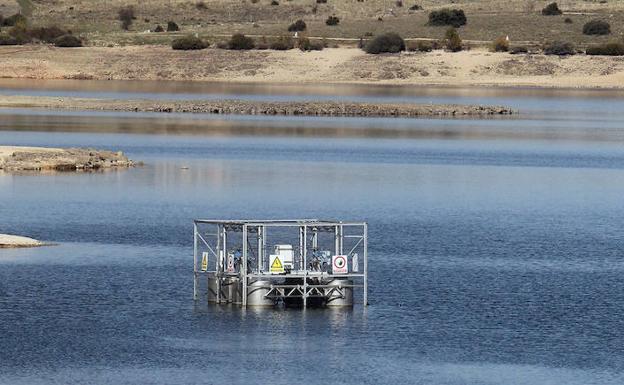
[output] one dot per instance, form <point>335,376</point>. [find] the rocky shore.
<point>241,107</point>
<point>58,159</point>
<point>252,107</point>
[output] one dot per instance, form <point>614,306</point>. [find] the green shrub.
<point>68,41</point>
<point>501,44</point>
<point>389,42</point>
<point>446,16</point>
<point>597,27</point>
<point>297,26</point>
<point>159,29</point>
<point>20,34</point>
<point>518,50</point>
<point>452,40</point>
<point>14,20</point>
<point>126,16</point>
<point>306,45</point>
<point>283,43</point>
<point>6,39</point>
<point>188,43</point>
<point>238,41</point>
<point>332,20</point>
<point>551,9</point>
<point>425,46</point>
<point>608,49</point>
<point>172,26</point>
<point>421,46</point>
<point>47,34</point>
<point>560,48</point>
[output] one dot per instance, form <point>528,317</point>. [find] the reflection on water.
<point>491,261</point>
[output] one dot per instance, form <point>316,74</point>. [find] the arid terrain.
<point>214,19</point>
<point>113,53</point>
<point>474,67</point>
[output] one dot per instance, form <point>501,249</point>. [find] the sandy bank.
<point>243,107</point>
<point>351,65</point>
<point>15,158</point>
<point>14,241</point>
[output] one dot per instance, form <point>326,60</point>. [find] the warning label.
<point>230,264</point>
<point>339,264</point>
<point>276,265</point>
<point>204,261</point>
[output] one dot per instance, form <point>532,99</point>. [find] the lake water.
<point>495,257</point>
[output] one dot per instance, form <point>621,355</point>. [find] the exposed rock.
<point>243,107</point>
<point>72,159</point>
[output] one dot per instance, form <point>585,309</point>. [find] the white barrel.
<point>339,292</point>
<point>256,292</point>
<point>231,286</point>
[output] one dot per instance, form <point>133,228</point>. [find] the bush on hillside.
<point>332,20</point>
<point>8,40</point>
<point>452,40</point>
<point>306,45</point>
<point>389,42</point>
<point>551,9</point>
<point>597,27</point>
<point>172,26</point>
<point>420,46</point>
<point>47,34</point>
<point>518,50</point>
<point>501,44</point>
<point>68,41</point>
<point>238,41</point>
<point>159,29</point>
<point>126,16</point>
<point>188,43</point>
<point>14,20</point>
<point>607,49</point>
<point>283,43</point>
<point>20,33</point>
<point>297,26</point>
<point>446,16</point>
<point>560,48</point>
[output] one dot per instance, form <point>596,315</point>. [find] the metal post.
<point>365,264</point>
<point>305,266</point>
<point>259,253</point>
<point>244,265</point>
<point>336,241</point>
<point>341,239</point>
<point>195,277</point>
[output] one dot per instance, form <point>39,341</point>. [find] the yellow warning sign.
<point>276,264</point>
<point>204,264</point>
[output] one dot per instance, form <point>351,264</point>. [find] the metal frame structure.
<point>214,240</point>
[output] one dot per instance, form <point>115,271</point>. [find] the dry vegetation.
<point>98,22</point>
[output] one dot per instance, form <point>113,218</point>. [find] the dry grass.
<point>487,19</point>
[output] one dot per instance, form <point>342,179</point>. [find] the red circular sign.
<point>340,262</point>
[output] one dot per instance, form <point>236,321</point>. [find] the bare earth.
<point>334,65</point>
<point>14,241</point>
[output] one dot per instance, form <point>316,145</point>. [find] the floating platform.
<point>291,263</point>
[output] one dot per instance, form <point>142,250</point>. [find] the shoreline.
<point>472,68</point>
